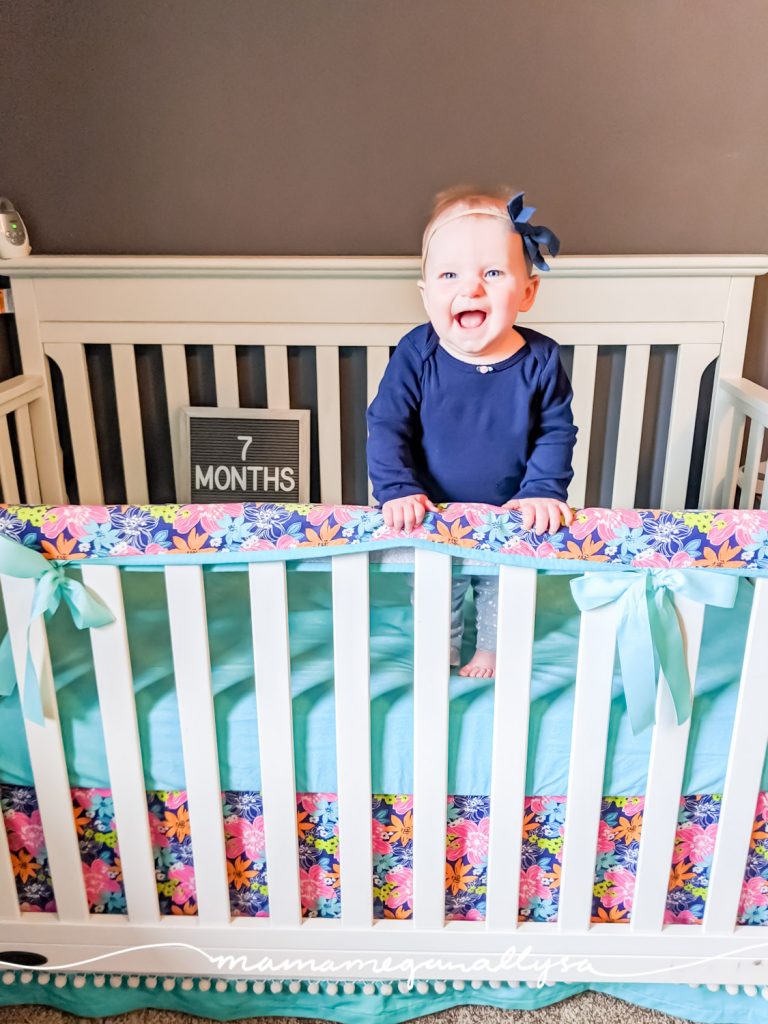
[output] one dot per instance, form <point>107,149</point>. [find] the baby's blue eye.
<point>446,272</point>
<point>493,272</point>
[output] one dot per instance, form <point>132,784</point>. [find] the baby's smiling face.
<point>475,283</point>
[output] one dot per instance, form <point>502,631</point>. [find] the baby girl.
<point>471,407</point>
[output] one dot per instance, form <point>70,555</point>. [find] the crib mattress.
<point>311,645</point>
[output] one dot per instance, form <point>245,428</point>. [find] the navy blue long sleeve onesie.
<point>448,429</point>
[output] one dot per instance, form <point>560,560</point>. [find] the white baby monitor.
<point>14,240</point>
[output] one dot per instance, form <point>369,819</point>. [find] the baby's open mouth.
<point>471,318</point>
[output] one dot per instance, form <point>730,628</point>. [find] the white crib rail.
<point>351,659</point>
<point>192,667</point>
<point>16,396</point>
<point>742,781</point>
<point>511,710</point>
<point>619,951</point>
<point>748,404</point>
<point>271,653</point>
<point>114,680</point>
<point>664,788</point>
<point>431,668</point>
<point>46,754</point>
<point>592,703</point>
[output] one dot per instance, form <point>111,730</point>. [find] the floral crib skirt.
<point>393,822</point>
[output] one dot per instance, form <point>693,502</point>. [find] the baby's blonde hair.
<point>466,198</point>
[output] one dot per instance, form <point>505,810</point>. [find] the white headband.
<point>490,211</point>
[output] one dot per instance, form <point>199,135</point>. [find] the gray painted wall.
<point>308,127</point>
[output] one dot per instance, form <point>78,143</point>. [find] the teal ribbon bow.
<point>648,623</point>
<point>53,586</point>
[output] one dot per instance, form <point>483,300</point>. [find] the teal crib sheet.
<point>311,642</point>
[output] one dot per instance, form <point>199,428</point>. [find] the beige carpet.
<point>589,1006</point>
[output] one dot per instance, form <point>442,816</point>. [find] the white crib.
<point>699,305</point>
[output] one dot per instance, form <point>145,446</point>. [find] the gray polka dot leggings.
<point>486,591</point>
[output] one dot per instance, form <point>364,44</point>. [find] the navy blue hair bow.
<point>533,235</point>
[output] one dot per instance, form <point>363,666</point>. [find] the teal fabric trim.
<point>696,1004</point>
<point>565,566</point>
<point>354,1008</point>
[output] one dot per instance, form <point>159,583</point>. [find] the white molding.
<point>717,265</point>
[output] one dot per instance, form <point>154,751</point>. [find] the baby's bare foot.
<point>481,666</point>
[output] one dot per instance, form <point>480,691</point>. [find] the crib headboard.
<point>696,305</point>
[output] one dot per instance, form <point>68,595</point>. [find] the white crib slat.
<point>591,712</point>
<point>225,369</point>
<point>7,469</point>
<point>431,668</point>
<point>176,397</point>
<point>46,754</point>
<point>74,371</point>
<point>743,775</point>
<point>329,423</point>
<point>351,626</point>
<point>583,382</point>
<point>692,361</point>
<point>752,464</point>
<point>630,425</point>
<point>664,786</point>
<point>42,413</point>
<point>27,456</point>
<point>511,706</point>
<point>735,444</point>
<point>377,358</point>
<point>114,681</point>
<point>129,420</point>
<point>271,653</point>
<point>192,669</point>
<point>276,366</point>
